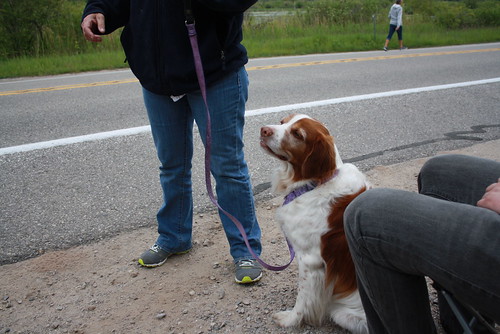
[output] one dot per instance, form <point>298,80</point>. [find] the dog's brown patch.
<point>335,250</point>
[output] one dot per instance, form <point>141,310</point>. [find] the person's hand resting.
<point>491,198</point>
<point>93,26</point>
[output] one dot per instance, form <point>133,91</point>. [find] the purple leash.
<point>208,146</point>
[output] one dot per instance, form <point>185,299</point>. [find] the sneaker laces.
<point>155,248</point>
<point>245,263</point>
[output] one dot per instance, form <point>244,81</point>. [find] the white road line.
<point>249,113</point>
<point>322,103</point>
<point>74,140</point>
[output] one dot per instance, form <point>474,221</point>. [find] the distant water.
<point>267,16</point>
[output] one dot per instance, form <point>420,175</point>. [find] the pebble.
<point>221,293</point>
<point>161,315</point>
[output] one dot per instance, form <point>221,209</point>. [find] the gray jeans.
<point>398,237</point>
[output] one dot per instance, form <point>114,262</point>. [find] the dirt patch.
<point>99,288</point>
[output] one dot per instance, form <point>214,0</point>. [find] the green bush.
<point>448,15</point>
<point>24,25</point>
<point>421,7</point>
<point>488,13</point>
<point>45,27</point>
<point>454,15</point>
<point>342,12</point>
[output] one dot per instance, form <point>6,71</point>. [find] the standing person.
<point>449,232</point>
<point>396,24</point>
<point>158,50</point>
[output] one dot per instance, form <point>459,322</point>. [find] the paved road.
<point>77,162</point>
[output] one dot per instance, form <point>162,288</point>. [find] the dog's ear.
<point>320,162</point>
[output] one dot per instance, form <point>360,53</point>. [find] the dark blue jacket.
<point>157,46</point>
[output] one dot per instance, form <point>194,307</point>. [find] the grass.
<point>325,40</point>
<point>282,38</point>
<point>266,40</point>
<point>52,65</point>
<point>426,35</point>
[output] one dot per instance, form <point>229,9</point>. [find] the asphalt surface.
<point>61,196</point>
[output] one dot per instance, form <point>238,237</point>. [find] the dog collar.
<point>304,189</point>
<point>299,191</point>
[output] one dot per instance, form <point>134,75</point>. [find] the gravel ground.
<point>99,288</point>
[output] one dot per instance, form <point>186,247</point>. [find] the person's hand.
<point>93,26</point>
<point>491,198</point>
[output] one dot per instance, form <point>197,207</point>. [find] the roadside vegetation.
<point>44,37</point>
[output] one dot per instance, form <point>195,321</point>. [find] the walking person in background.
<point>158,50</point>
<point>396,24</point>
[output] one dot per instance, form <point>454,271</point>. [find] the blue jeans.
<point>172,130</point>
<point>398,237</point>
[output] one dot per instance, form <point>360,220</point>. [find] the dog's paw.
<point>288,318</point>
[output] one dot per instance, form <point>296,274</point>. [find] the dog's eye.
<point>296,133</point>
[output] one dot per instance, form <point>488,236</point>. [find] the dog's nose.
<point>266,131</point>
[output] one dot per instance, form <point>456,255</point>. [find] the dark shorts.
<point>392,29</point>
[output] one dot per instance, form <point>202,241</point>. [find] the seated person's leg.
<point>457,178</point>
<point>396,238</point>
<point>462,179</point>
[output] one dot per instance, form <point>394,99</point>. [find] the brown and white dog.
<point>319,187</point>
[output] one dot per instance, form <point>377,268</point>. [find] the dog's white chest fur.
<point>303,221</point>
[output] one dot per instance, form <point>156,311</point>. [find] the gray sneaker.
<point>155,256</point>
<point>247,271</point>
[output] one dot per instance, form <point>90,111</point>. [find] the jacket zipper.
<point>159,62</point>
<point>223,59</point>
